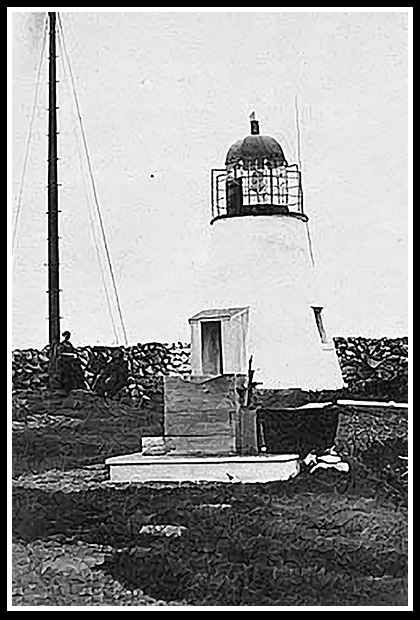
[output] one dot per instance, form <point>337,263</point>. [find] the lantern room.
<point>256,180</point>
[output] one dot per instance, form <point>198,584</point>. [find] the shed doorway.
<point>211,347</point>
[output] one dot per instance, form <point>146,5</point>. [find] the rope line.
<point>297,131</point>
<point>25,160</point>
<point>95,195</point>
<point>311,252</point>
<point>98,254</point>
<point>298,140</point>
<point>91,220</point>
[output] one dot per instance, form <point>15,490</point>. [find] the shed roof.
<point>218,313</point>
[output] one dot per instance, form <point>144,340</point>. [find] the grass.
<point>322,539</point>
<point>83,429</point>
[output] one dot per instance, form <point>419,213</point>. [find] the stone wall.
<point>372,368</point>
<point>148,363</point>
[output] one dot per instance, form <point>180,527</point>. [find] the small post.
<point>250,385</point>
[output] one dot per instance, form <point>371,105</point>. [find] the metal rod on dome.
<point>255,126</point>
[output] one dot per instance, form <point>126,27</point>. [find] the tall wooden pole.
<point>53,249</point>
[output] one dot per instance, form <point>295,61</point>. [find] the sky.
<point>162,97</point>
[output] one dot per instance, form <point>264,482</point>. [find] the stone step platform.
<point>249,469</point>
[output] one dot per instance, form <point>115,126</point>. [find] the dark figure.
<point>113,377</point>
<point>68,365</point>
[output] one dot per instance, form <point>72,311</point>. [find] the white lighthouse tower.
<point>257,292</point>
<point>258,312</point>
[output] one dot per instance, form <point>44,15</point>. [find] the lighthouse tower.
<point>259,306</point>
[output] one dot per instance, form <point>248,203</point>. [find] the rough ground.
<point>326,539</point>
<point>65,573</point>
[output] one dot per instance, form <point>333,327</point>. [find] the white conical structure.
<point>262,261</point>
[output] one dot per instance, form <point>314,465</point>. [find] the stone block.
<point>201,445</point>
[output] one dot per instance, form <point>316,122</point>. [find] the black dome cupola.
<point>256,180</point>
<point>255,150</point>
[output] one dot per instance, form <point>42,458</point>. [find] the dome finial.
<point>255,127</point>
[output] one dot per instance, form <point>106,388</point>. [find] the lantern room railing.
<point>256,191</point>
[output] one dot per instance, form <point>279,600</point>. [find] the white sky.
<point>166,94</point>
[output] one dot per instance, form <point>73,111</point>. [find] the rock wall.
<point>148,363</point>
<point>372,368</point>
